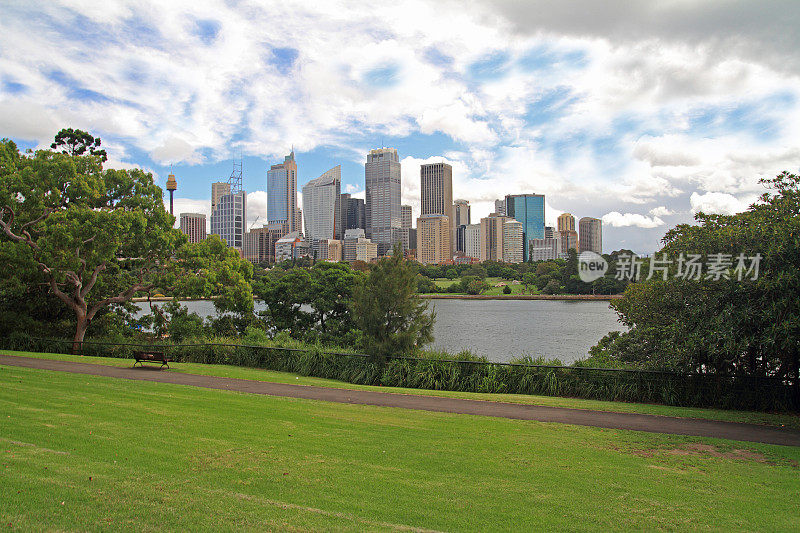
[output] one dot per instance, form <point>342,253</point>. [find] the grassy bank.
<point>257,374</point>
<point>84,452</point>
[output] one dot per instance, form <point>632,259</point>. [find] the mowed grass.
<point>775,419</point>
<point>88,453</point>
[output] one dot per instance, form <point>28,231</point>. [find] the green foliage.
<point>506,290</point>
<point>77,142</point>
<point>476,286</point>
<point>63,218</point>
<point>393,320</point>
<point>726,326</point>
<point>311,304</point>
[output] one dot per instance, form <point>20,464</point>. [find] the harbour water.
<point>502,330</point>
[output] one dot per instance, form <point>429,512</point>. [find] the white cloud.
<point>175,150</point>
<point>661,211</point>
<point>617,220</point>
<point>717,203</point>
<point>256,209</point>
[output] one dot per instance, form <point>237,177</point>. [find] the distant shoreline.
<point>586,297</point>
<point>578,297</point>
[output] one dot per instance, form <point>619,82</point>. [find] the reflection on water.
<point>505,329</point>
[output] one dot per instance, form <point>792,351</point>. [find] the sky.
<point>638,113</point>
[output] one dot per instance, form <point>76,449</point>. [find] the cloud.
<point>617,220</point>
<point>661,211</point>
<point>256,209</point>
<point>175,150</point>
<point>717,203</point>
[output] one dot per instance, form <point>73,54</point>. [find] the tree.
<point>76,142</point>
<point>528,281</point>
<point>727,326</point>
<point>95,237</point>
<point>386,308</point>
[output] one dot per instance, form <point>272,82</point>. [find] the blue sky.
<point>636,113</point>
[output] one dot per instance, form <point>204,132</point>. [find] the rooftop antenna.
<point>235,180</point>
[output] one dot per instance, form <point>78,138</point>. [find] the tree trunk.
<point>80,331</point>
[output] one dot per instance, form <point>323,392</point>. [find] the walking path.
<point>581,417</point>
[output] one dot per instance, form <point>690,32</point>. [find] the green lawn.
<point>789,420</point>
<point>444,283</point>
<point>91,453</point>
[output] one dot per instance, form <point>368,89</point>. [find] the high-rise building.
<point>567,239</point>
<point>590,233</point>
<point>500,207</point>
<point>321,199</point>
<point>472,241</point>
<point>382,205</point>
<point>436,193</point>
<point>433,239</point>
<point>353,214</point>
<point>194,226</point>
<point>436,189</point>
<point>282,193</point>
<point>259,243</point>
<point>529,210</point>
<point>492,237</point>
<point>405,225</point>
<point>544,249</point>
<point>227,219</point>
<point>328,250</point>
<point>512,241</point>
<point>566,222</point>
<point>461,213</point>
<point>351,238</point>
<point>219,189</point>
<point>549,232</point>
<point>461,219</point>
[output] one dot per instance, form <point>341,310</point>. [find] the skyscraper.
<point>172,186</point>
<point>529,210</point>
<point>433,239</point>
<point>590,235</point>
<point>219,189</point>
<point>353,215</point>
<point>492,237</point>
<point>472,241</point>
<point>227,219</point>
<point>321,199</point>
<point>382,205</point>
<point>405,225</point>
<point>566,222</point>
<point>436,193</point>
<point>461,213</point>
<point>282,193</point>
<point>194,226</point>
<point>512,241</point>
<point>500,207</point>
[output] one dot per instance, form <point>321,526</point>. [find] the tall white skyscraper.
<point>321,206</point>
<point>227,219</point>
<point>382,209</point>
<point>282,193</point>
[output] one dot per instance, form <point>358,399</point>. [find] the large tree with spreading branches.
<point>95,236</point>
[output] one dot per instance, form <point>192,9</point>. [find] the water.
<point>502,330</point>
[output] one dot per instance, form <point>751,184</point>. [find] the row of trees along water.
<point>79,241</point>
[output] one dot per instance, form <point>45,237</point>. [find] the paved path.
<point>581,417</point>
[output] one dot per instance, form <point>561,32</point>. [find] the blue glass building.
<point>529,210</point>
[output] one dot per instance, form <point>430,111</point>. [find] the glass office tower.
<point>529,210</point>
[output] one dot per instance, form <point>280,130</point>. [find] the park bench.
<point>151,357</point>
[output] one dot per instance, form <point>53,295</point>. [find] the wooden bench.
<point>151,357</point>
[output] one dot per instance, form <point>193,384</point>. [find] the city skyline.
<point>638,114</point>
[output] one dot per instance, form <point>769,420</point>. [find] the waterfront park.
<point>326,412</point>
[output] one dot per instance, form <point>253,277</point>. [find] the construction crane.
<point>254,222</point>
